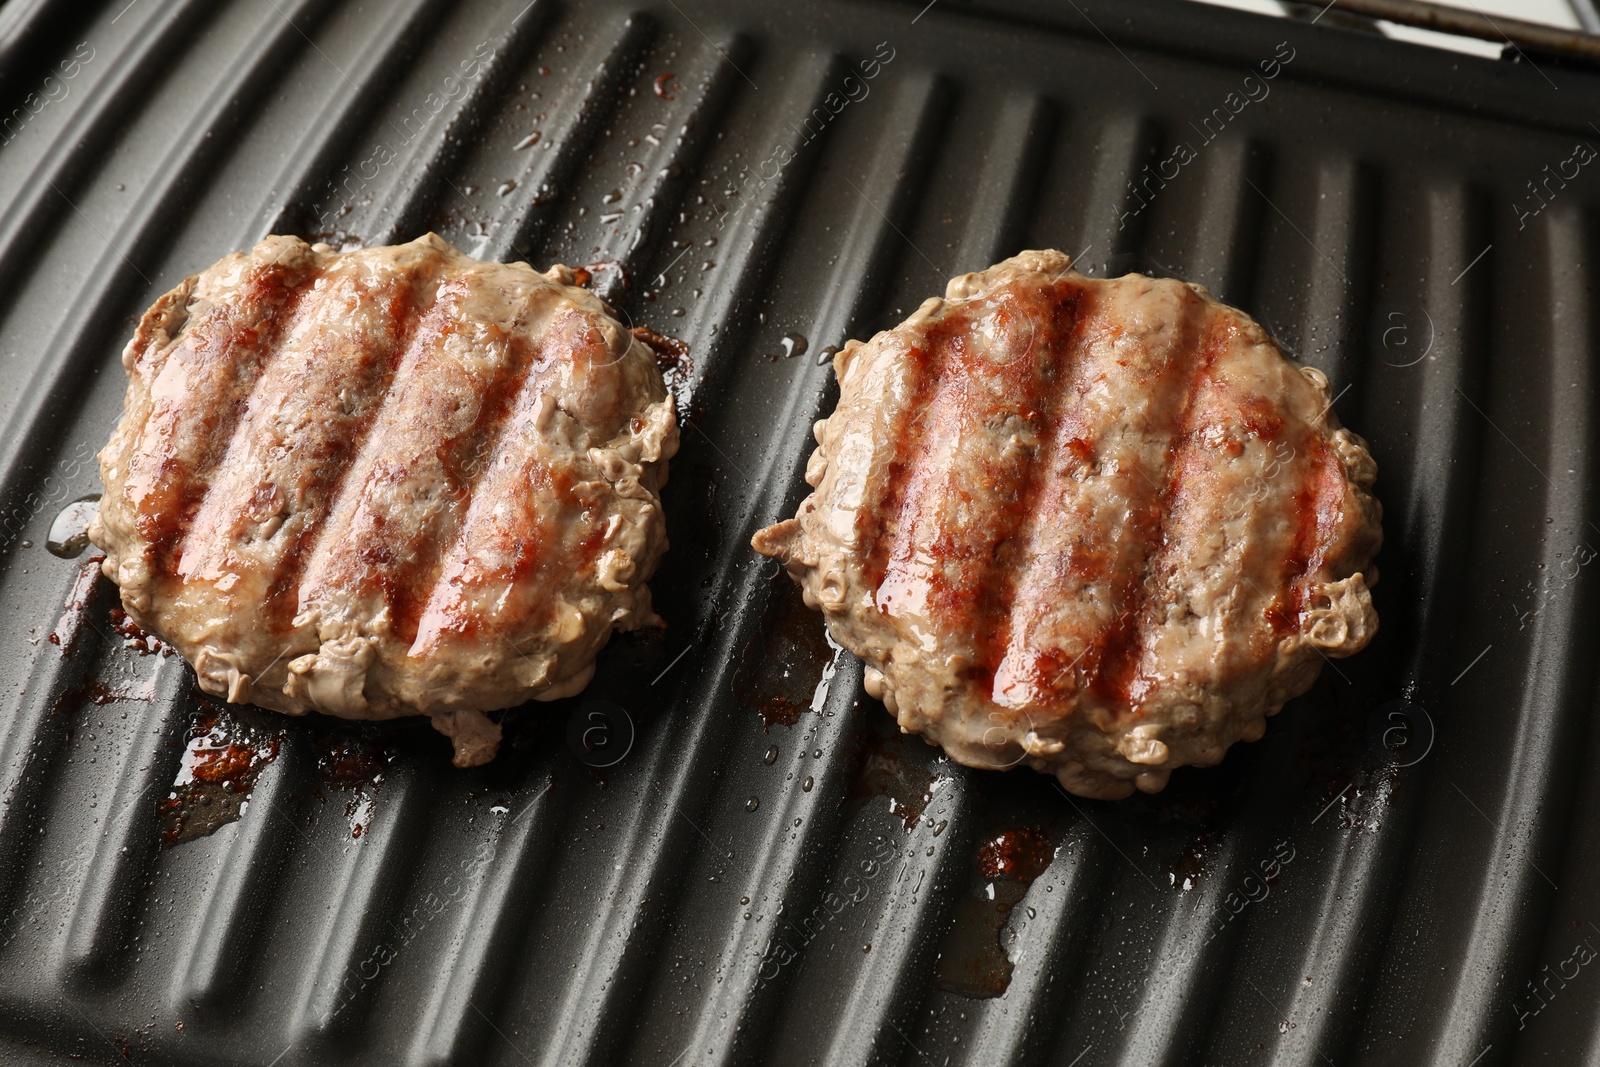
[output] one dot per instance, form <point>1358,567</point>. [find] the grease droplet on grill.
<point>69,533</point>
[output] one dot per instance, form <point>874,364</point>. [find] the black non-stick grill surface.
<point>1400,872</point>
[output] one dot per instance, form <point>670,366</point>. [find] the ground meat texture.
<point>1100,527</point>
<point>386,482</point>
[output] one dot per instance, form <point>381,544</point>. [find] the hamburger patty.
<point>386,482</point>
<point>1100,527</point>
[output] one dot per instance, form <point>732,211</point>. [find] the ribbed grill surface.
<point>772,873</point>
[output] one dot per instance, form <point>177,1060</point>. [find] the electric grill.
<point>724,852</point>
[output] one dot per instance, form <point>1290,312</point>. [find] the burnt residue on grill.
<point>672,356</point>
<point>1018,854</point>
<point>226,748</point>
<point>352,761</point>
<point>75,612</point>
<point>894,765</point>
<point>779,710</point>
<point>973,960</point>
<point>136,637</point>
<point>76,616</point>
<point>908,786</point>
<point>1185,872</point>
<point>785,669</point>
<point>99,694</point>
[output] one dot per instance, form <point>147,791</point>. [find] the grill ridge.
<point>329,132</point>
<point>245,878</point>
<point>552,170</point>
<point>580,1031</point>
<point>52,391</point>
<point>55,176</point>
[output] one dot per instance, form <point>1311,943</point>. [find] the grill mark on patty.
<point>527,562</point>
<point>465,459</point>
<point>357,555</point>
<point>520,531</point>
<point>291,467</point>
<point>881,511</point>
<point>936,564</point>
<point>923,547</point>
<point>1119,673</point>
<point>965,575</point>
<point>1041,662</point>
<point>283,599</point>
<point>215,367</point>
<point>1318,508</point>
<point>1060,365</point>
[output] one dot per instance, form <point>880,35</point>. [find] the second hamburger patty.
<point>1100,527</point>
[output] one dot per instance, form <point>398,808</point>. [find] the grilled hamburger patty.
<point>1100,527</point>
<point>386,482</point>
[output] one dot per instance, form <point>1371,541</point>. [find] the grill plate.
<point>1310,900</point>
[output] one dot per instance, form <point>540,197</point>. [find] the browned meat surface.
<point>1100,527</point>
<point>387,482</point>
